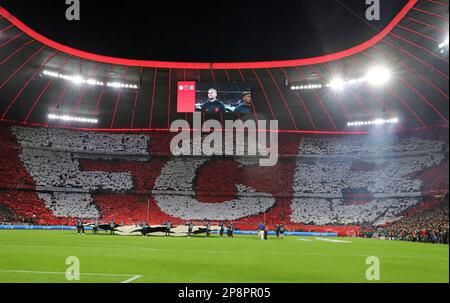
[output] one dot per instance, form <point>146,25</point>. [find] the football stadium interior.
<point>362,170</point>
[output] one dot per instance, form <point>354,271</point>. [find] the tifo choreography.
<point>320,181</point>
<point>241,138</point>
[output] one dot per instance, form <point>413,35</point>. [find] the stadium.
<point>89,175</point>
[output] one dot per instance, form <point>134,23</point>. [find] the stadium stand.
<point>61,140</point>
<point>319,183</point>
<point>426,224</point>
<point>70,205</point>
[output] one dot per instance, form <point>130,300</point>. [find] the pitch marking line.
<point>130,279</point>
<point>333,241</point>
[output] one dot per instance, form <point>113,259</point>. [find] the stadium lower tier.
<point>28,207</point>
<point>327,183</point>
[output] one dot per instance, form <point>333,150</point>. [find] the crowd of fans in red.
<point>426,224</point>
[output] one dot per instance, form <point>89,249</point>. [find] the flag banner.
<point>155,230</point>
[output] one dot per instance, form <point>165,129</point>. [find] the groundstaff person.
<point>78,226</point>
<point>145,229</point>
<point>190,228</point>
<point>230,231</point>
<point>95,228</point>
<point>222,229</point>
<point>208,229</point>
<point>168,227</point>
<point>81,227</point>
<point>113,227</point>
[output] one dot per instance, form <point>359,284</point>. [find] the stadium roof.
<point>410,45</point>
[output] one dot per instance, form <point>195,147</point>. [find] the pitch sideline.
<point>130,277</point>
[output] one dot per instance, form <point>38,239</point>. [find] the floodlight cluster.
<point>78,80</point>
<point>306,87</point>
<point>374,122</point>
<point>376,76</point>
<point>121,85</point>
<point>67,118</point>
<point>443,47</point>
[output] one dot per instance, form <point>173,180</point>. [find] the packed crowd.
<point>368,145</point>
<point>59,169</point>
<point>68,205</point>
<point>64,140</point>
<point>385,175</point>
<point>429,226</point>
<point>317,211</point>
<point>191,188</point>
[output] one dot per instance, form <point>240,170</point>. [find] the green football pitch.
<point>40,256</point>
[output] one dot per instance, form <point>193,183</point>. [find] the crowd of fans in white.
<point>319,211</point>
<point>390,175</point>
<point>368,145</point>
<point>67,205</point>
<point>178,176</point>
<point>64,140</point>
<point>58,169</point>
<point>391,162</point>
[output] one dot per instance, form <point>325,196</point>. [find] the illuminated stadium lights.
<point>443,47</point>
<point>77,79</point>
<point>374,122</point>
<point>337,84</point>
<point>340,84</point>
<point>67,118</point>
<point>378,76</point>
<point>306,87</point>
<point>94,82</point>
<point>121,85</point>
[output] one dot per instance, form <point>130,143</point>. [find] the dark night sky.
<point>200,30</point>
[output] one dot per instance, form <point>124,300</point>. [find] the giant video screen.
<point>214,97</point>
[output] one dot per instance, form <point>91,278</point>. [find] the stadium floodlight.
<point>373,122</point>
<point>378,122</point>
<point>67,118</point>
<point>443,47</point>
<point>378,76</point>
<point>78,80</point>
<point>306,87</point>
<point>94,82</point>
<point>121,85</point>
<point>337,84</point>
<point>444,44</point>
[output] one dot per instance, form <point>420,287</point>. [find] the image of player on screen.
<point>213,105</point>
<point>245,104</point>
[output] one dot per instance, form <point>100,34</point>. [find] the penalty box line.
<point>131,278</point>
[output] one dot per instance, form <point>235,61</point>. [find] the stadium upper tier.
<point>55,175</point>
<point>39,77</point>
